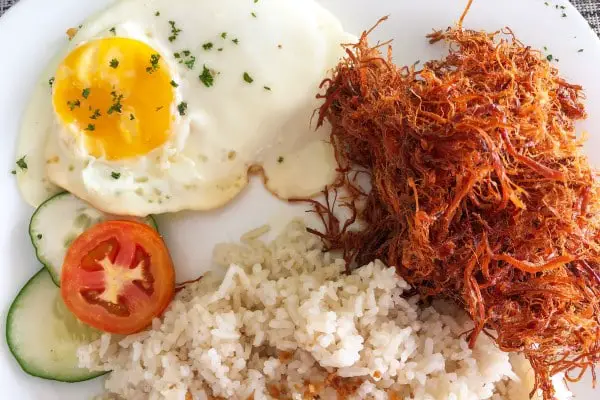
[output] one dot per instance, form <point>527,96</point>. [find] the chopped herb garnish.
<point>21,163</point>
<point>545,48</point>
<point>182,108</point>
<point>267,88</point>
<point>206,77</point>
<point>236,41</point>
<point>159,108</point>
<point>157,14</point>
<point>248,78</point>
<point>154,59</point>
<point>96,114</point>
<point>113,30</point>
<point>114,63</point>
<point>131,117</point>
<point>14,172</point>
<point>224,35</point>
<point>580,51</point>
<point>91,127</point>
<point>207,46</point>
<point>546,3</point>
<point>73,104</point>
<point>115,175</point>
<point>220,49</point>
<point>185,57</point>
<point>562,7</point>
<point>39,236</point>
<point>280,160</point>
<point>174,84</point>
<point>116,106</point>
<point>190,62</point>
<point>174,31</point>
<point>85,93</point>
<point>255,1</point>
<point>564,15</point>
<point>253,14</point>
<point>549,57</point>
<point>51,81</point>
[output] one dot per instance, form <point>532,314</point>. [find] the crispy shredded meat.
<point>480,192</point>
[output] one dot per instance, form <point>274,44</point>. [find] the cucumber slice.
<point>58,221</point>
<point>44,336</point>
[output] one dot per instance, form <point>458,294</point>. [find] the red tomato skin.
<point>75,280</point>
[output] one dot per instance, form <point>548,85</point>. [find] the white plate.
<point>33,30</point>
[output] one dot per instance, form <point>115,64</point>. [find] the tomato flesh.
<point>117,276</point>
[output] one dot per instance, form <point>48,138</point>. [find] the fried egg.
<point>161,106</point>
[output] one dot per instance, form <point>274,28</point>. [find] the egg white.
<point>286,46</point>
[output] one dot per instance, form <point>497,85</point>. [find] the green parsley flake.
<point>549,57</point>
<point>91,127</point>
<point>185,57</point>
<point>21,163</point>
<point>116,106</point>
<point>253,14</point>
<point>182,108</point>
<point>280,160</point>
<point>131,117</point>
<point>235,41</point>
<point>73,104</point>
<point>14,172</point>
<point>115,175</point>
<point>154,59</point>
<point>51,81</point>
<point>85,93</point>
<point>174,84</point>
<point>267,88</point>
<point>114,63</point>
<point>157,14</point>
<point>220,49</point>
<point>96,114</point>
<point>113,30</point>
<point>224,35</point>
<point>248,78</point>
<point>206,77</point>
<point>174,31</point>
<point>39,236</point>
<point>580,51</point>
<point>207,46</point>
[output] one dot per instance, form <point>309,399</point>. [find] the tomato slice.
<point>117,276</point>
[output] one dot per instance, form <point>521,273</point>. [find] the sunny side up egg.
<point>161,106</point>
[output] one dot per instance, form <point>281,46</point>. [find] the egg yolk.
<point>118,95</point>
